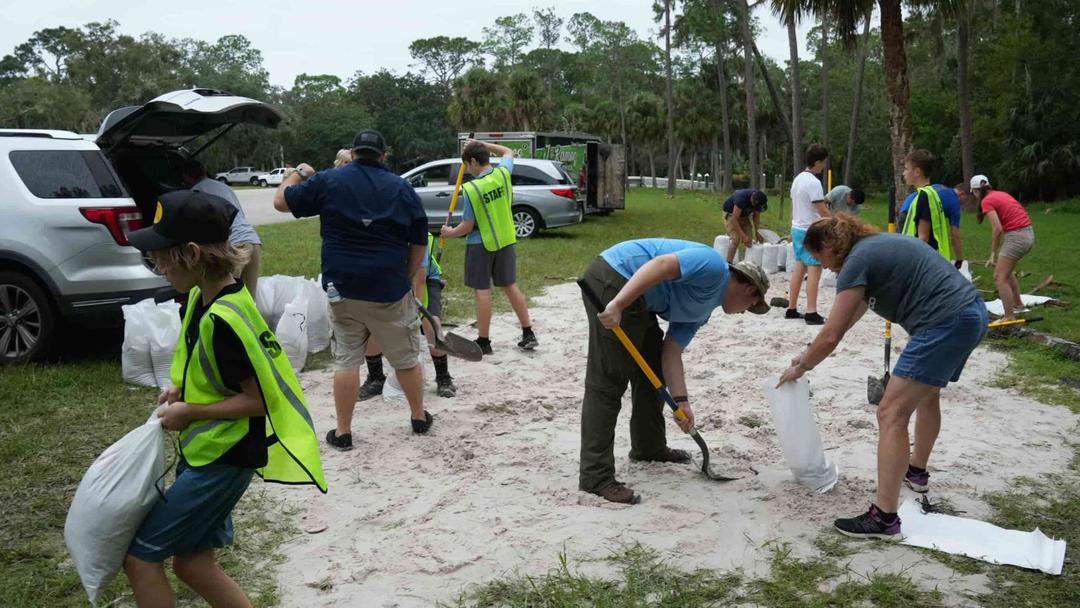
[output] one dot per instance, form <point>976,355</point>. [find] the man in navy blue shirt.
<point>374,238</point>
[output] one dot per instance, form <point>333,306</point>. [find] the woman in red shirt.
<point>1008,218</point>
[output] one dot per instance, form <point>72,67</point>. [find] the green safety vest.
<point>939,224</point>
<point>491,199</point>
<point>431,262</point>
<point>292,446</point>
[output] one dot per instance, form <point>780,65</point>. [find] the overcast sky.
<point>335,36</point>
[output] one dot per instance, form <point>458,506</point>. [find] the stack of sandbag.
<point>754,253</point>
<point>292,331</point>
<point>721,243</point>
<point>150,334</point>
<point>278,291</point>
<point>769,258</point>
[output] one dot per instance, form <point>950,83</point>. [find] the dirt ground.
<point>413,520</point>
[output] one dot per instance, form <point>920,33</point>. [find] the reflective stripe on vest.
<point>939,224</point>
<point>491,198</point>
<point>292,446</point>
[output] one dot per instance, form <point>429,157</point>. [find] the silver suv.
<point>69,201</point>
<point>544,194</point>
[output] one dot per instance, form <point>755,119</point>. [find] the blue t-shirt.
<point>686,302</point>
<point>467,213</point>
<point>950,203</point>
<point>368,218</point>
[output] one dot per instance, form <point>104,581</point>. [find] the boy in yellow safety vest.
<point>489,248</point>
<point>926,220</point>
<point>233,398</point>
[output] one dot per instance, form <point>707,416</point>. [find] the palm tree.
<point>790,11</point>
<point>748,84</point>
<point>860,71</point>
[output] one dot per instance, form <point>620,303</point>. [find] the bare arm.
<point>291,179</point>
<point>924,231</point>
<point>846,311</point>
<point>416,260</point>
<point>672,365</point>
<point>736,215</point>
<point>757,226</point>
<point>419,279</point>
<point>995,234</point>
<point>662,268</point>
<point>244,405</point>
<point>954,240</point>
<point>822,208</point>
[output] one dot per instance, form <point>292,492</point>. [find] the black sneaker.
<point>444,386</point>
<point>339,442</point>
<point>869,525</point>
<point>485,345</point>
<point>813,318</point>
<point>422,426</point>
<point>372,387</point>
<point>528,342</point>
<point>792,314</point>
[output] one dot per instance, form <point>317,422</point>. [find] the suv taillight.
<point>564,192</point>
<point>120,221</point>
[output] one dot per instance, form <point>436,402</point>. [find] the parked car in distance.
<point>69,201</point>
<point>545,196</point>
<point>240,175</point>
<point>272,178</point>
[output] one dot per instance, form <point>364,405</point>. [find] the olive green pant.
<point>609,369</point>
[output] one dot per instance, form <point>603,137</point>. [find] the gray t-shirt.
<point>906,281</point>
<point>241,231</point>
<point>837,199</point>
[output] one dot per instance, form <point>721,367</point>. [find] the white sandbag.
<point>770,236</point>
<point>318,317</point>
<point>798,434</point>
<point>995,307</point>
<point>721,243</point>
<point>769,256</point>
<point>164,332</point>
<point>965,271</point>
<point>828,278</point>
<point>291,332</point>
<point>113,498</point>
<point>273,294</point>
<point>781,256</point>
<point>789,257</point>
<point>392,390</point>
<point>754,253</point>
<point>136,366</point>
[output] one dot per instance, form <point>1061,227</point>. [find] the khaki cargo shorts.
<point>395,325</point>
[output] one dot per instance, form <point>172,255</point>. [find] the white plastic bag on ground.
<point>164,332</point>
<point>318,317</point>
<point>274,293</point>
<point>291,332</point>
<point>135,363</point>
<point>392,390</point>
<point>113,498</point>
<point>769,258</point>
<point>798,434</point>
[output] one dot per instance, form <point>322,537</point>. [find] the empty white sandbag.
<point>754,253</point>
<point>291,331</point>
<point>798,434</point>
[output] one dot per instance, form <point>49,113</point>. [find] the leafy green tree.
<point>444,57</point>
<point>507,39</point>
<point>548,26</point>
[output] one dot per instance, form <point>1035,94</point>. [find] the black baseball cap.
<point>369,139</point>
<point>186,216</point>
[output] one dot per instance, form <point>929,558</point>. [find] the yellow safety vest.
<point>939,224</point>
<point>292,446</point>
<point>491,198</point>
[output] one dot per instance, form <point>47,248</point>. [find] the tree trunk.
<point>860,70</point>
<point>779,105</point>
<point>967,142</point>
<point>670,95</point>
<point>715,169</point>
<point>693,169</point>
<point>679,174</point>
<point>721,82</point>
<point>896,88</point>
<point>796,102</point>
<point>825,92</point>
<point>652,165</point>
<point>748,84</point>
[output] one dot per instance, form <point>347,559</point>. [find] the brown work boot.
<point>617,492</point>
<point>667,455</point>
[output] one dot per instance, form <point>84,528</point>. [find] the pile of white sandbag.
<point>150,333</point>
<point>294,307</point>
<point>771,257</point>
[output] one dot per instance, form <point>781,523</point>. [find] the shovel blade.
<point>460,347</point>
<point>875,388</point>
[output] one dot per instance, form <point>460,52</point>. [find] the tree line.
<point>988,86</point>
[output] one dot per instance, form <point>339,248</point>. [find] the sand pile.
<point>413,520</point>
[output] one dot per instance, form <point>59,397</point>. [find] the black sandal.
<point>421,426</point>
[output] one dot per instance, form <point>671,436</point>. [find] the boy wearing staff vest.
<point>233,398</point>
<point>926,220</point>
<point>489,248</point>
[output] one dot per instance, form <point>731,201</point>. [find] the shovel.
<point>659,386</point>
<point>453,204</point>
<point>875,387</point>
<point>451,343</point>
<point>997,324</point>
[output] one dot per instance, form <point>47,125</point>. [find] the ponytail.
<point>839,232</point>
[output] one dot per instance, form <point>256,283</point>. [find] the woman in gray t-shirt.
<point>907,282</point>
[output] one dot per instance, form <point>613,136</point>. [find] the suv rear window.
<point>66,174</point>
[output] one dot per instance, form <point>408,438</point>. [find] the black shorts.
<point>434,297</point>
<point>483,267</point>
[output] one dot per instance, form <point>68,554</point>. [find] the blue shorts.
<point>937,355</point>
<point>801,254</point>
<point>195,515</point>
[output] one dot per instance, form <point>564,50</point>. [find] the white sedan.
<point>272,178</point>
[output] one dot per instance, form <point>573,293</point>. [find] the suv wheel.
<point>27,322</point>
<point>526,222</point>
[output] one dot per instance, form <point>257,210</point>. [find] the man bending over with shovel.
<point>908,283</point>
<point>681,282</point>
